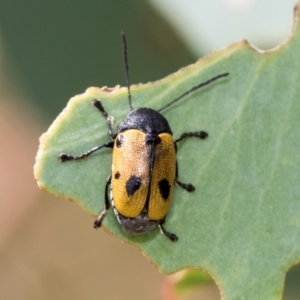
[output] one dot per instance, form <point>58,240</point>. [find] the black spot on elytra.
<point>117,175</point>
<point>120,141</point>
<point>164,188</point>
<point>133,184</point>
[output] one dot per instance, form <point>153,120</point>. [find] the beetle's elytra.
<point>144,167</point>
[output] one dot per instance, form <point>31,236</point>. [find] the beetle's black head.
<point>145,119</point>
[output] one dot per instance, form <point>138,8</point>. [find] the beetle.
<point>144,166</point>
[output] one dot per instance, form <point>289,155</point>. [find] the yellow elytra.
<point>144,166</point>
<point>131,175</point>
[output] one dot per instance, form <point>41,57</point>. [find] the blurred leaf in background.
<point>58,49</point>
<point>217,23</point>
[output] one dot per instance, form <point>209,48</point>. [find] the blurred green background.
<point>53,50</point>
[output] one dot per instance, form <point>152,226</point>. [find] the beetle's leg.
<point>187,186</point>
<point>172,236</point>
<point>63,157</point>
<point>109,118</point>
<point>199,134</point>
<point>99,220</point>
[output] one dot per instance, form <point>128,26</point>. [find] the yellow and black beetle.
<point>144,166</point>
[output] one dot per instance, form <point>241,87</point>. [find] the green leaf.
<point>242,224</point>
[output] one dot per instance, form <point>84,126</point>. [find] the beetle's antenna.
<point>126,67</point>
<point>196,87</point>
